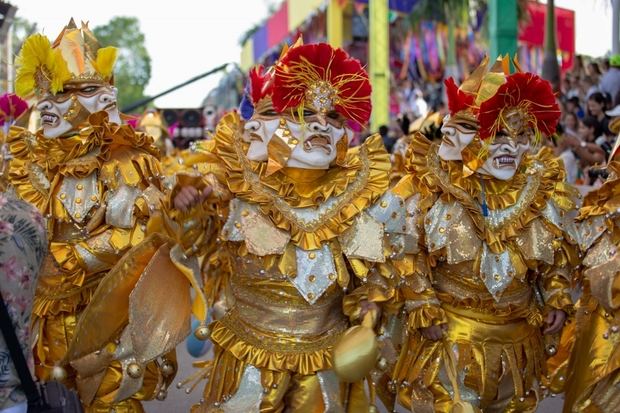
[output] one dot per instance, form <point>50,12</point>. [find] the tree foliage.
<point>133,66</point>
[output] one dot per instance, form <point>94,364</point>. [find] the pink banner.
<point>277,26</point>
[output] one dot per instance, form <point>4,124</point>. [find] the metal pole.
<point>378,53</point>
<point>334,23</point>
<point>146,101</point>
<point>10,74</point>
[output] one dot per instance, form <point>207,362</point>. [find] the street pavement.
<point>180,402</point>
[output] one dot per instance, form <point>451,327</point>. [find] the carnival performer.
<point>491,271</point>
<point>97,182</point>
<point>304,219</point>
<point>594,367</point>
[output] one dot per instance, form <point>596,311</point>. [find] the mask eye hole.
<point>269,112</point>
<point>332,114</point>
<point>89,89</point>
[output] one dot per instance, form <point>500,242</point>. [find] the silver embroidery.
<point>121,201</point>
<point>315,272</point>
<point>436,239</point>
<point>390,211</point>
<point>93,264</point>
<point>330,390</point>
<point>248,396</point>
<point>604,250</point>
<point>563,220</point>
<point>79,195</point>
<point>396,244</point>
<point>310,215</point>
<point>590,230</point>
<point>496,271</point>
<point>364,239</point>
<point>232,228</point>
<point>412,231</point>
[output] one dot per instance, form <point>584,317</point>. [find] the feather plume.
<point>40,68</point>
<point>106,57</point>
<point>457,99</point>
<point>308,68</point>
<point>527,92</point>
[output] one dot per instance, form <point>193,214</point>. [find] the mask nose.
<point>320,127</point>
<point>45,105</point>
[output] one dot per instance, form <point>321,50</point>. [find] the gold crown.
<point>74,57</point>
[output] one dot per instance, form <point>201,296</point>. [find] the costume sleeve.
<point>412,270</point>
<point>556,279</point>
<point>195,230</point>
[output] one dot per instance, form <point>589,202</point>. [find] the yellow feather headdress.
<point>75,56</point>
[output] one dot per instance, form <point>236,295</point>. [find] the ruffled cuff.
<point>426,315</point>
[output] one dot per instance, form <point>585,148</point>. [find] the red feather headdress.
<point>458,100</point>
<point>261,84</point>
<point>322,77</point>
<point>529,95</point>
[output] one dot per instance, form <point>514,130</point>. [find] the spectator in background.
<point>388,140</point>
<point>572,106</point>
<point>588,87</point>
<point>570,123</point>
<point>593,71</point>
<point>610,81</point>
<point>23,244</point>
<point>564,151</point>
<point>596,107</point>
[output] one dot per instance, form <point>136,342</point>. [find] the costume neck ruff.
<point>313,206</point>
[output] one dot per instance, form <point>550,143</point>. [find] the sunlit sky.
<point>186,38</point>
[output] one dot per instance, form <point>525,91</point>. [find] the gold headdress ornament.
<point>74,57</point>
<point>484,84</point>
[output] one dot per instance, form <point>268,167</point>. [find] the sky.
<point>183,37</point>
<point>188,37</point>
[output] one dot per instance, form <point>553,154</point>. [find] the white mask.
<point>258,132</point>
<point>55,117</point>
<point>509,145</point>
<point>505,156</point>
<point>317,143</point>
<point>457,134</point>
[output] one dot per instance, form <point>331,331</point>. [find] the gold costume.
<point>593,382</point>
<point>284,255</point>
<point>480,275</point>
<point>97,183</point>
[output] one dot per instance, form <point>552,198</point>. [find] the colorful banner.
<point>299,10</point>
<point>277,26</point>
<point>260,42</point>
<point>532,34</point>
<point>247,55</point>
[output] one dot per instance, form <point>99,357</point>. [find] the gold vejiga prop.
<point>357,351</point>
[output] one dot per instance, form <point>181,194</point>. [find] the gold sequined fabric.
<point>489,278</point>
<point>97,189</point>
<point>594,366</point>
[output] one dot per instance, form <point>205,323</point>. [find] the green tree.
<point>133,66</point>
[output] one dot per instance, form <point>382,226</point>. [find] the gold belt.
<point>288,317</point>
<point>475,327</point>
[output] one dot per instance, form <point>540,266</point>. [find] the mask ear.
<point>341,149</point>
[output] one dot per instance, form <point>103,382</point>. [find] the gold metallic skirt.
<point>487,350</point>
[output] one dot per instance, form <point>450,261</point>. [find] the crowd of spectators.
<point>589,98</point>
<point>590,102</point>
